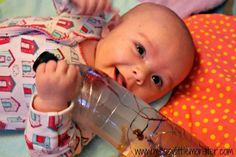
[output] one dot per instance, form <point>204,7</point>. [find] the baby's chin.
<point>151,99</point>
<point>158,96</point>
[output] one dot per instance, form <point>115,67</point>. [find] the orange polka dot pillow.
<point>205,103</point>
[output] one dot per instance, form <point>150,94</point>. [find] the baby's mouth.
<point>120,78</point>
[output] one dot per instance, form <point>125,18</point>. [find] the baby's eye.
<point>157,80</point>
<point>141,50</point>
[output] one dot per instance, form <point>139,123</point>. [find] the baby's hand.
<point>93,7</point>
<point>57,83</point>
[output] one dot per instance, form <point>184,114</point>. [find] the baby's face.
<point>148,58</point>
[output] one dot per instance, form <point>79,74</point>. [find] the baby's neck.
<point>88,49</point>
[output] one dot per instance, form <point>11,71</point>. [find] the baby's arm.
<point>50,129</point>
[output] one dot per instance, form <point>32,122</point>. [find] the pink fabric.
<point>184,8</point>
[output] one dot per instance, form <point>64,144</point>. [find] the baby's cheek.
<point>148,94</point>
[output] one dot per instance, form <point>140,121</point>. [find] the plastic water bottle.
<point>125,121</point>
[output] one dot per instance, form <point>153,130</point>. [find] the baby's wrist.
<point>43,105</point>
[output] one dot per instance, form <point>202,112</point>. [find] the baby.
<point>148,51</point>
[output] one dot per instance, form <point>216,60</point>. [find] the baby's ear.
<point>115,20</point>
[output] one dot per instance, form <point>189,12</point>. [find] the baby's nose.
<point>139,74</point>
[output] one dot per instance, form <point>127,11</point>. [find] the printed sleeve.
<point>65,6</point>
<point>52,133</point>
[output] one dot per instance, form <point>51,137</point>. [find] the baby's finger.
<point>40,73</point>
<point>81,5</point>
<point>90,7</point>
<point>41,69</point>
<point>108,8</point>
<point>72,72</point>
<point>100,7</point>
<point>51,66</point>
<point>62,67</point>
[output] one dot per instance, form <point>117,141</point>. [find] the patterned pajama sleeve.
<point>52,133</point>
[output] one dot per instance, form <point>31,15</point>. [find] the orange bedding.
<point>205,103</point>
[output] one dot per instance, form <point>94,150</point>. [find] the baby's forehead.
<point>153,11</point>
<point>155,22</point>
